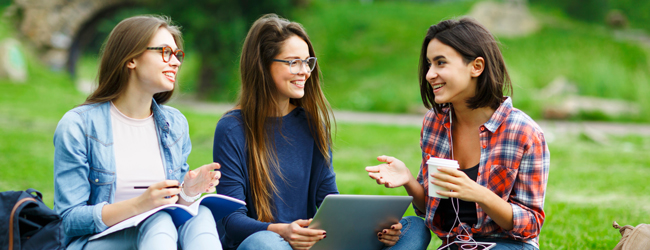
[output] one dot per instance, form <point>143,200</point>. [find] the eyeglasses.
<point>167,53</point>
<point>296,65</point>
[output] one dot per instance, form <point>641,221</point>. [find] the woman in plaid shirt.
<point>502,153</point>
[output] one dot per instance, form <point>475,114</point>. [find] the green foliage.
<point>589,10</point>
<point>368,53</point>
<point>595,11</point>
<point>216,30</point>
<point>213,31</point>
<point>588,56</point>
<point>5,3</point>
<point>637,12</point>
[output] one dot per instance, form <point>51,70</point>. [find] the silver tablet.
<point>353,221</point>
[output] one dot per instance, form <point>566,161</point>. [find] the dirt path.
<point>596,130</point>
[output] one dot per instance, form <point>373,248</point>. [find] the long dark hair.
<point>258,101</point>
<point>471,40</point>
<point>128,40</point>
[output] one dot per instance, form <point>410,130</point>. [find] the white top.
<point>138,160</point>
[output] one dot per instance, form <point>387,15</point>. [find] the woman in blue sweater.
<point>275,145</point>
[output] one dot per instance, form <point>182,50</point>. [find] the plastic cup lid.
<point>442,162</point>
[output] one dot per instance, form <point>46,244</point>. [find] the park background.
<point>579,62</point>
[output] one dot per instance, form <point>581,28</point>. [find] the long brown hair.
<point>471,40</point>
<point>128,40</point>
<point>258,101</point>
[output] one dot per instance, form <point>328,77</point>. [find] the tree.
<point>216,29</point>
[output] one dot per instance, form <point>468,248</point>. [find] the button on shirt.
<point>514,165</point>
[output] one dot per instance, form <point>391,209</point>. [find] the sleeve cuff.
<point>97,217</point>
<point>518,214</point>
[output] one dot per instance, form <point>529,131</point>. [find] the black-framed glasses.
<point>167,53</point>
<point>296,65</point>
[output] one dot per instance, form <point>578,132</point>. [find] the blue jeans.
<point>267,240</point>
<point>502,244</point>
<point>158,232</point>
<point>415,235</point>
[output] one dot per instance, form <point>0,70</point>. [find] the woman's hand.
<point>298,235</point>
<point>461,185</point>
<point>158,194</point>
<point>466,189</point>
<point>202,180</point>
<point>391,235</point>
<point>393,173</point>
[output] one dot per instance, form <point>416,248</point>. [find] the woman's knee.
<point>157,232</point>
<point>205,217</point>
<point>160,222</point>
<point>415,223</point>
<point>264,240</point>
<point>415,231</point>
<point>201,225</point>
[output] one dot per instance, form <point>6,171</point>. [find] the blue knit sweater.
<point>308,176</point>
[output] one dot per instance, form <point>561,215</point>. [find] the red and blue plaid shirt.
<point>514,165</point>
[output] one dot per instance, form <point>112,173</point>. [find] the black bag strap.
<point>11,219</point>
<point>31,190</point>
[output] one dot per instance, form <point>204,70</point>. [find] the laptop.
<point>353,221</point>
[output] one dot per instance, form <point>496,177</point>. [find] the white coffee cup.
<point>433,164</point>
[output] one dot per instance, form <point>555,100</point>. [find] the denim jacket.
<point>84,164</point>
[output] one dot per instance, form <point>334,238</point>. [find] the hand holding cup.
<point>433,163</point>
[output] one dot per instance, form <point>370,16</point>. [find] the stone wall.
<point>52,25</point>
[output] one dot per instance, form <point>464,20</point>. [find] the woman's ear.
<point>131,64</point>
<point>478,65</point>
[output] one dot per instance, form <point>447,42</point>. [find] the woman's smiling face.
<point>290,86</point>
<point>449,75</point>
<point>152,74</point>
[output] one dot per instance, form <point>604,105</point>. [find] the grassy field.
<point>590,185</point>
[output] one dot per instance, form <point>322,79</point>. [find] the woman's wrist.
<point>277,228</point>
<point>412,186</point>
<point>187,197</point>
<point>485,196</point>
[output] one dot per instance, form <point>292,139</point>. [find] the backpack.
<point>633,237</point>
<point>27,223</point>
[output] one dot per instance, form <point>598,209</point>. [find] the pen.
<point>145,187</point>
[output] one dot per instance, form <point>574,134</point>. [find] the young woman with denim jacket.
<point>123,137</point>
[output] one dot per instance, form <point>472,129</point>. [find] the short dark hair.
<point>471,40</point>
